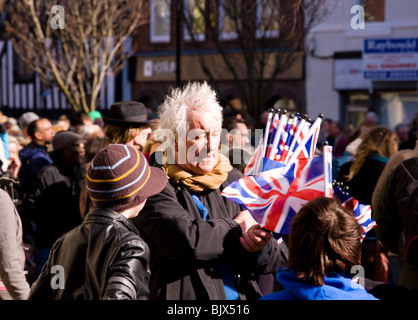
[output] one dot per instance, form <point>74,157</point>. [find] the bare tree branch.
<point>270,34</point>
<point>79,57</point>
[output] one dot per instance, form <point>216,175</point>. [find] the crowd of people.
<point>130,212</point>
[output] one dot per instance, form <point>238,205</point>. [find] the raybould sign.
<point>390,59</point>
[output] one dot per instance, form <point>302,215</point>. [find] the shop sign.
<point>164,68</point>
<point>390,59</point>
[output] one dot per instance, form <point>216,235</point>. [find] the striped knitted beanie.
<point>119,178</point>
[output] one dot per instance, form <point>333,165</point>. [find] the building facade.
<point>186,40</point>
<point>175,38</point>
<point>354,65</point>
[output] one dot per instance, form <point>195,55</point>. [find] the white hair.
<point>194,97</point>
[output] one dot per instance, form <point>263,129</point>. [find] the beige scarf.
<point>200,182</point>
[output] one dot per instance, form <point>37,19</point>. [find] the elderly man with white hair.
<point>203,246</point>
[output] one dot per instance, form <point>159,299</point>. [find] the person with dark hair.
<point>237,133</point>
<point>53,202</point>
<point>34,156</point>
<point>337,139</point>
<point>105,258</point>
<point>324,244</point>
<point>236,141</point>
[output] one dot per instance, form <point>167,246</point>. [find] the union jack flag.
<point>279,134</point>
<point>252,167</point>
<point>274,199</point>
<point>362,212</point>
<point>301,132</point>
<point>274,127</point>
<point>286,139</point>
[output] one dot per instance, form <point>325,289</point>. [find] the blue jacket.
<point>336,287</point>
<point>33,157</point>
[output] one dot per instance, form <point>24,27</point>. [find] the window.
<point>21,71</point>
<point>160,20</point>
<point>195,20</point>
<point>229,19</point>
<point>397,107</point>
<point>374,11</point>
<point>268,18</point>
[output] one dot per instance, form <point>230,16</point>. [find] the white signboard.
<point>348,75</point>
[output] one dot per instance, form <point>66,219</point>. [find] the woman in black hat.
<point>128,124</point>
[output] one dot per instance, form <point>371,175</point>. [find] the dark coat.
<point>187,251</point>
<point>362,185</point>
<point>33,157</point>
<point>53,204</point>
<point>103,258</point>
<point>396,215</point>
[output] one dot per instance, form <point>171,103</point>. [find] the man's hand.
<point>255,238</point>
<point>245,220</point>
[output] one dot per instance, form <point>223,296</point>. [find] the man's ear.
<point>229,137</point>
<point>38,135</point>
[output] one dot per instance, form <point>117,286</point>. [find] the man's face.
<point>201,145</point>
<point>75,154</point>
<point>45,132</point>
<point>238,137</point>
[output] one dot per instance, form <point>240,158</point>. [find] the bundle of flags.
<point>286,139</point>
<point>283,173</point>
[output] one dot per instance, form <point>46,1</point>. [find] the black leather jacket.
<point>103,258</point>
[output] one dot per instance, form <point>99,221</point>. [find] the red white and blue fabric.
<point>274,199</point>
<point>362,212</point>
<point>286,139</point>
<point>271,135</point>
<point>301,131</point>
<point>278,135</point>
<point>306,148</point>
<point>253,165</point>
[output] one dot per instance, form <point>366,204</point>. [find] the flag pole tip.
<point>325,143</point>
<point>321,115</point>
<point>271,110</point>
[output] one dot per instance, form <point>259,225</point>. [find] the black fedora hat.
<point>127,113</point>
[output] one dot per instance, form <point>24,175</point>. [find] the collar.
<point>111,216</point>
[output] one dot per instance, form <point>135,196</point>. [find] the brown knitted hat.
<point>119,178</point>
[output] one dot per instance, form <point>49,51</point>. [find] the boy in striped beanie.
<point>105,257</point>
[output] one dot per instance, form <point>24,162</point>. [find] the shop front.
<point>382,78</point>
